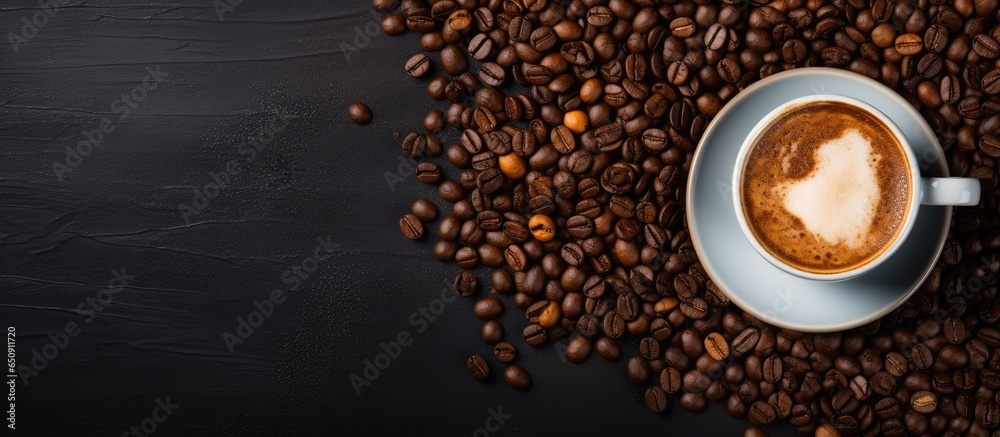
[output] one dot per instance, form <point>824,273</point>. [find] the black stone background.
<point>321,176</point>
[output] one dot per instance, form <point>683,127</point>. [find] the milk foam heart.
<point>836,202</point>
<point>826,187</point>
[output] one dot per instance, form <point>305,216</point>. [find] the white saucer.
<point>757,286</point>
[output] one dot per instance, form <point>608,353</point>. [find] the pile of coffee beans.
<point>577,124</point>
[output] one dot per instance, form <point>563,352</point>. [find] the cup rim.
<point>913,206</point>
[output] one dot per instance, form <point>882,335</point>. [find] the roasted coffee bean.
<point>516,258</point>
<point>492,74</point>
<point>716,37</point>
<point>909,44</point>
<point>964,379</point>
<point>394,25</point>
<point>458,20</point>
<point>696,309</point>
<point>670,380</point>
<point>450,191</point>
<point>588,325</point>
<point>887,408</point>
<point>453,60</point>
<point>656,400</point>
<point>989,336</point>
<point>660,329</point>
<point>793,51</point>
<point>986,45</point>
<point>716,346</point>
<point>883,383</point>
<point>693,402</point>
<point>478,367</point>
<point>800,415</point>
<point>766,344</point>
<point>608,349</point>
<point>761,413</point>
<point>424,210</point>
<point>578,349</point>
<point>638,370</point>
<point>535,335</point>
<point>991,82</point>
<point>950,89</point>
<point>578,53</point>
<point>488,308</point>
<point>542,227</point>
<point>517,378</point>
<point>859,386</point>
<point>649,348</point>
<point>921,356</point>
<point>359,113</point>
<point>772,369</point>
<point>492,332</point>
<point>843,402</point>
<point>613,325</point>
<point>987,414</point>
<point>489,180</point>
<point>418,65</point>
<point>746,341</point>
<point>480,47</point>
<point>505,352</point>
<point>428,172</point>
<point>930,65</point>
<point>923,402</point>
<point>896,364</point>
<point>411,227</point>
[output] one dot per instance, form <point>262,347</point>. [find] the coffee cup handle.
<point>950,191</point>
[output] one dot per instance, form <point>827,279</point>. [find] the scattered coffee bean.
<point>578,349</point>
<point>478,367</point>
<point>608,349</point>
<point>418,65</point>
<point>535,335</point>
<point>424,210</point>
<point>656,400</point>
<point>411,226</point>
<point>465,284</point>
<point>428,172</point>
<point>359,113</point>
<point>693,402</point>
<point>517,378</point>
<point>505,352</point>
<point>488,308</point>
<point>638,370</point>
<point>492,332</point>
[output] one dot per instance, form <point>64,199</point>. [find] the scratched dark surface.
<point>320,177</point>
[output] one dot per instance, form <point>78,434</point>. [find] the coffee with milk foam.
<point>826,188</point>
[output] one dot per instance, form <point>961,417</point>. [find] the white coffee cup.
<point>926,190</point>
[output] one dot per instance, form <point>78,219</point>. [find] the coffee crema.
<point>826,187</point>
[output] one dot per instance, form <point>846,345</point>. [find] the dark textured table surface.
<point>186,91</point>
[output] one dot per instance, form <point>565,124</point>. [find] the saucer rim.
<point>696,166</point>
